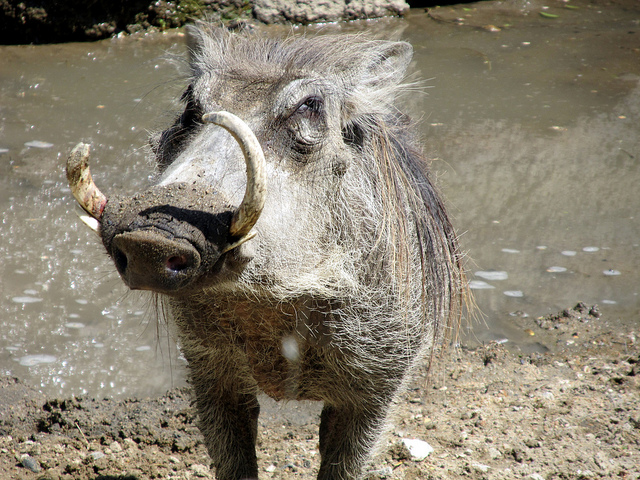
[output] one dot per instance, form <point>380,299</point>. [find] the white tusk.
<point>247,214</point>
<point>91,222</point>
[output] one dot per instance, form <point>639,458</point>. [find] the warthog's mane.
<point>331,57</point>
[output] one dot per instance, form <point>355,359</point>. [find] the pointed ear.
<point>195,44</point>
<point>386,64</point>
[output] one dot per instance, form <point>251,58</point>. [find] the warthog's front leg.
<point>347,436</point>
<point>230,428</point>
<point>228,420</point>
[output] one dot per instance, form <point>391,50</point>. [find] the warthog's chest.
<point>285,346</point>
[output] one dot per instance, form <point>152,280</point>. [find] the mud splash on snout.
<point>171,236</point>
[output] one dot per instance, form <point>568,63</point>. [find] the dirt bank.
<point>52,21</point>
<point>570,413</point>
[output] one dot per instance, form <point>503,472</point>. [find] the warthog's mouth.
<point>167,238</point>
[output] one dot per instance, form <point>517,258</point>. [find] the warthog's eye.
<point>306,126</point>
<point>310,106</point>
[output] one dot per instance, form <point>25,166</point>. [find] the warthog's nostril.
<point>120,259</point>
<point>177,263</point>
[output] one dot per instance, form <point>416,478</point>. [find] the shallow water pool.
<point>533,122</point>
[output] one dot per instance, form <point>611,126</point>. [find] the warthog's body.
<point>353,273</point>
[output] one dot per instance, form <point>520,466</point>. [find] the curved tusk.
<point>81,183</point>
<point>247,214</point>
<point>236,244</point>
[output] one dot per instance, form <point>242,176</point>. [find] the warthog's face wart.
<point>294,235</point>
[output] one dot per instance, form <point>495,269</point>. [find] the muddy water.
<point>534,122</point>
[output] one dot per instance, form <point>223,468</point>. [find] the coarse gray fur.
<point>354,276</point>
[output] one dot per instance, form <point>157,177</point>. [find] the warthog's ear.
<point>205,44</point>
<point>377,76</point>
<point>195,46</point>
<point>385,65</point>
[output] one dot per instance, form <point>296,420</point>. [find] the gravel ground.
<point>487,412</point>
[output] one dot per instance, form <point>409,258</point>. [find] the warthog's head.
<point>290,173</point>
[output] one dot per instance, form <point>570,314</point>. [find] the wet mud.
<point>488,413</point>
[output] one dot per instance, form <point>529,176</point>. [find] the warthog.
<point>294,236</point>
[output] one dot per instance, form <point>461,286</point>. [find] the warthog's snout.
<point>149,261</point>
<point>166,238</point>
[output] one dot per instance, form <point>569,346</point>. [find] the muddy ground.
<point>570,413</point>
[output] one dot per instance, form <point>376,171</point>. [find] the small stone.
<point>183,443</point>
<point>30,463</point>
<point>532,443</point>
<point>96,455</point>
<point>494,453</point>
<point>200,470</point>
<point>429,424</point>
<point>270,468</point>
<point>547,395</point>
<point>535,476</point>
<point>479,467</point>
<point>72,466</point>
<point>26,446</point>
<point>128,443</point>
<point>586,474</point>
<point>418,449</point>
<point>115,447</point>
